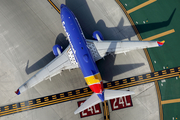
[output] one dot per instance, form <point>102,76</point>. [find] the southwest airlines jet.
<point>83,53</point>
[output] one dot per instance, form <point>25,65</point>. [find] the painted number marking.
<point>93,110</point>
<point>121,102</point>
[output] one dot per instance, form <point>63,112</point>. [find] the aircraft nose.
<point>62,5</point>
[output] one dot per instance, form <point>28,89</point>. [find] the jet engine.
<point>57,50</point>
<point>98,36</point>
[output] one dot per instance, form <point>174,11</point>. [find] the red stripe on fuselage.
<point>97,88</point>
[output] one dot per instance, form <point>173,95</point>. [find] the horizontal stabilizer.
<point>110,94</point>
<point>92,100</point>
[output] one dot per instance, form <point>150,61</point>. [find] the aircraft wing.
<point>64,61</point>
<point>100,49</point>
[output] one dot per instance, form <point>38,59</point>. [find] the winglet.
<point>160,43</point>
<point>17,92</point>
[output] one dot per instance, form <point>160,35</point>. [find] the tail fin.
<point>108,94</point>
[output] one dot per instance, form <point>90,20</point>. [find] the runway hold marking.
<point>159,35</point>
<point>55,7</point>
<point>85,92</point>
<point>170,101</point>
<point>140,6</point>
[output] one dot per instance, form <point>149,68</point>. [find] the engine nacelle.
<point>98,36</point>
<point>57,50</point>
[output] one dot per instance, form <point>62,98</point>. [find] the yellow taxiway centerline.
<point>159,35</point>
<point>170,101</point>
<point>54,6</point>
<point>140,6</point>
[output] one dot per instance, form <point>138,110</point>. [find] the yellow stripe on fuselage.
<point>93,79</point>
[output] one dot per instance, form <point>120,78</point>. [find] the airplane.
<point>83,53</point>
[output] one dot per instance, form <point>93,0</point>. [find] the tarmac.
<point>28,31</point>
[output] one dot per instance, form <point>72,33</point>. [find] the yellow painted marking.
<point>6,108</point>
<point>143,81</point>
<point>38,100</point>
<point>140,77</point>
<point>149,59</point>
<point>172,70</point>
<point>159,35</point>
<point>170,101</point>
<point>54,6</point>
<point>85,89</point>
<point>30,102</point>
<point>159,100</point>
<point>93,79</point>
<point>22,104</point>
<point>140,6</point>
<point>77,91</point>
<point>49,102</point>
<point>125,81</point>
<point>132,79</point>
<point>106,110</point>
<point>54,97</point>
<point>156,74</point>
<point>164,72</point>
<point>42,104</point>
<point>116,82</point>
<point>148,75</point>
<point>109,85</point>
<point>69,93</point>
<point>62,95</point>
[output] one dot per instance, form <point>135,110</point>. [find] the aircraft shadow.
<point>152,26</point>
<point>61,40</point>
<point>109,70</point>
<point>40,63</point>
<point>89,25</point>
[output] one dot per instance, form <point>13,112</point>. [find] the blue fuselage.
<point>81,52</point>
<point>77,42</point>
